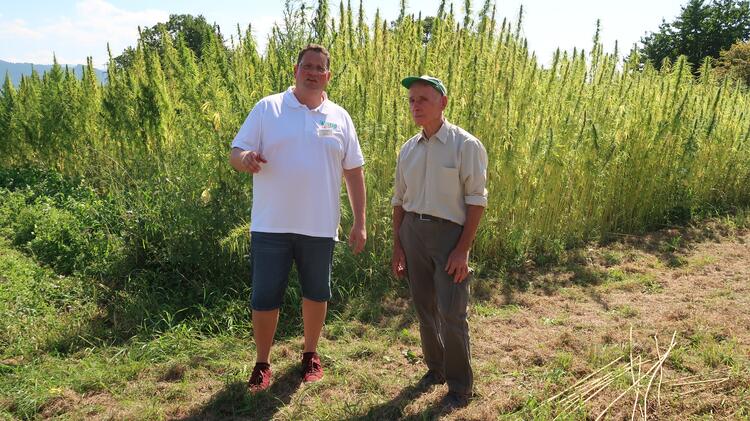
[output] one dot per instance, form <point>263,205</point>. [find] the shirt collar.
<point>292,101</point>
<point>442,133</point>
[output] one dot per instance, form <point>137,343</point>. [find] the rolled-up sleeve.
<point>473,173</point>
<point>399,185</point>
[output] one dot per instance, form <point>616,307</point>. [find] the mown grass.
<point>60,359</point>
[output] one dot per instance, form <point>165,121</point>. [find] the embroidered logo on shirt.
<point>326,128</point>
<point>328,124</point>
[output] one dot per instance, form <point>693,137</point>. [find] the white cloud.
<point>17,28</point>
<point>41,56</point>
<point>92,25</point>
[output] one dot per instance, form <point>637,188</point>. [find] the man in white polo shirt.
<point>438,199</point>
<point>298,145</point>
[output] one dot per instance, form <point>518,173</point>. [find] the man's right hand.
<point>251,161</point>
<point>398,262</point>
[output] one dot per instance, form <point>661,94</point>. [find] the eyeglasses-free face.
<point>426,104</point>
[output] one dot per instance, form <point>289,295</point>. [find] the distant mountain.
<point>16,70</point>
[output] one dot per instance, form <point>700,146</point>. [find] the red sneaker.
<point>312,371</point>
<point>260,380</point>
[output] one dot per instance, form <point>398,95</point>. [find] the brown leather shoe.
<point>430,378</point>
<point>312,370</point>
<point>260,380</point>
<point>455,400</point>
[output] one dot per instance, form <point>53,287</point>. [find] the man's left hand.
<point>458,265</point>
<point>357,238</point>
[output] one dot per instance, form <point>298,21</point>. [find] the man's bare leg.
<point>313,315</point>
<point>264,328</point>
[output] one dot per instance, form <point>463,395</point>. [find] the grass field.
<point>124,231</point>
<point>535,332</point>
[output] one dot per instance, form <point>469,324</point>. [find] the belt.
<point>426,217</point>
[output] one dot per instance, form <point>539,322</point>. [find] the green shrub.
<point>56,237</point>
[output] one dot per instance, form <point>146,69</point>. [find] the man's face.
<point>312,71</point>
<point>425,103</point>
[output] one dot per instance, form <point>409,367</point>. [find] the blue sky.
<point>30,31</point>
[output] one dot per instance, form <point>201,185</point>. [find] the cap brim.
<point>407,81</point>
<point>435,83</point>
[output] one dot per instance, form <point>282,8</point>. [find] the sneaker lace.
<point>311,365</point>
<point>257,376</point>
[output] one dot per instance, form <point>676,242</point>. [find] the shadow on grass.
<point>394,409</point>
<point>577,267</point>
<point>546,281</point>
<point>236,403</point>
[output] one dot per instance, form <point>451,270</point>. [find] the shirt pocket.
<point>448,182</point>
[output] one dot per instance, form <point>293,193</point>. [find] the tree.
<point>428,25</point>
<point>701,30</point>
<point>195,30</point>
<point>735,62</point>
<point>658,45</point>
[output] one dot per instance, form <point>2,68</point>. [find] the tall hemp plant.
<point>581,149</point>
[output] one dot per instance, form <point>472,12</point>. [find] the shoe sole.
<point>312,380</point>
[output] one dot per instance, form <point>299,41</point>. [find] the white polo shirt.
<point>298,190</point>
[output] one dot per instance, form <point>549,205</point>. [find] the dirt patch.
<point>98,405</point>
<point>174,373</point>
<point>12,362</point>
<point>58,405</point>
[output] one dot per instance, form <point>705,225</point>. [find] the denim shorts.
<point>271,257</point>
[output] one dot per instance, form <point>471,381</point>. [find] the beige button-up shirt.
<point>439,176</point>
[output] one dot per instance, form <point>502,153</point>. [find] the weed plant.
<point>132,186</point>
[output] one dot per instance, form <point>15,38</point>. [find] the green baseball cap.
<point>430,80</point>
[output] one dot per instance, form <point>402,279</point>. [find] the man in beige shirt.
<point>439,197</point>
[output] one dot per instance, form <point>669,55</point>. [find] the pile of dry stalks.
<point>646,380</point>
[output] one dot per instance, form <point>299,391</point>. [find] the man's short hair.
<point>318,49</point>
